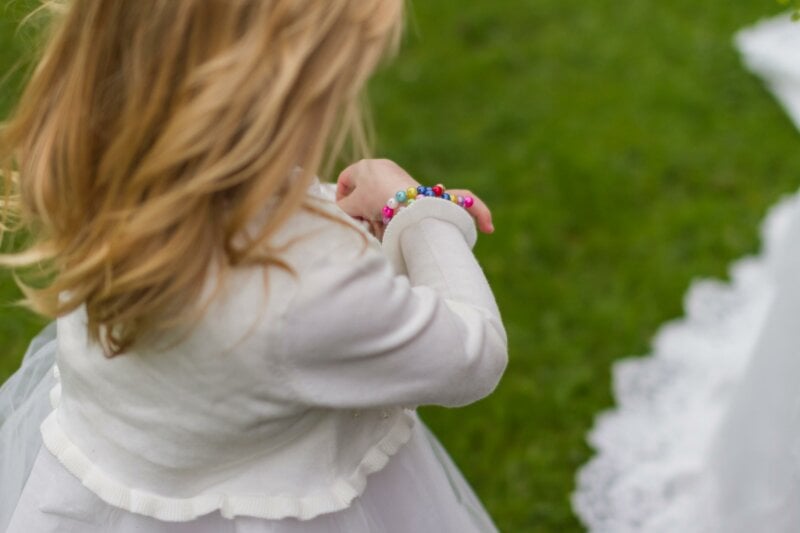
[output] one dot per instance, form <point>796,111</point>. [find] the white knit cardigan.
<point>292,389</point>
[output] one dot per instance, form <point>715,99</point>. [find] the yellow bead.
<point>411,192</point>
<point>454,198</point>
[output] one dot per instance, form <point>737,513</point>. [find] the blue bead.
<point>421,189</point>
<point>428,191</point>
<point>401,196</point>
<point>446,196</point>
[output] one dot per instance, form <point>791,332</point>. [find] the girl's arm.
<point>358,335</point>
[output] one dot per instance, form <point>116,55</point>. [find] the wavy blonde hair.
<point>152,131</point>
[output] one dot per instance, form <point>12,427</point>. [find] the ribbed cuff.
<point>424,207</point>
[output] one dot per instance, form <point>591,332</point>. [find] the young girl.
<point>233,351</point>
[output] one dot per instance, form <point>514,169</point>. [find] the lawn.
<point>624,151</point>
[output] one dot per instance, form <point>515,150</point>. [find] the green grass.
<point>17,325</point>
<point>624,151</point>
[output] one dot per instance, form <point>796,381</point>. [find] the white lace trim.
<point>770,50</point>
<point>647,474</point>
<point>334,497</point>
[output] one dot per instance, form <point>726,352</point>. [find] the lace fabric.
<point>678,453</point>
<point>649,473</point>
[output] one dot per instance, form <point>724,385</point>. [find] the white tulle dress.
<point>421,471</point>
<point>418,490</point>
<point>706,433</point>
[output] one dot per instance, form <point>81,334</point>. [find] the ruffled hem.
<point>649,472</point>
<point>335,497</point>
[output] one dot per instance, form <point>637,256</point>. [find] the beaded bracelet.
<point>409,196</point>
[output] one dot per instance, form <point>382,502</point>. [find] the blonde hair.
<point>152,131</point>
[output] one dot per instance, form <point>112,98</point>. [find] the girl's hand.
<point>364,187</point>
<point>479,210</point>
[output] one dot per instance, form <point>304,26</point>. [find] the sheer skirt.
<point>419,490</point>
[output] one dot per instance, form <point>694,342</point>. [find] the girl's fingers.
<point>351,204</point>
<point>482,215</point>
<point>344,183</point>
<point>479,210</point>
<point>348,196</point>
<point>377,229</point>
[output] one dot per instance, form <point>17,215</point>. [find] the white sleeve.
<point>357,334</point>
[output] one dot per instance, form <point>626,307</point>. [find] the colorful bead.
<point>409,196</point>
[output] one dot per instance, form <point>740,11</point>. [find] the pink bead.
<point>469,201</point>
<point>388,212</point>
